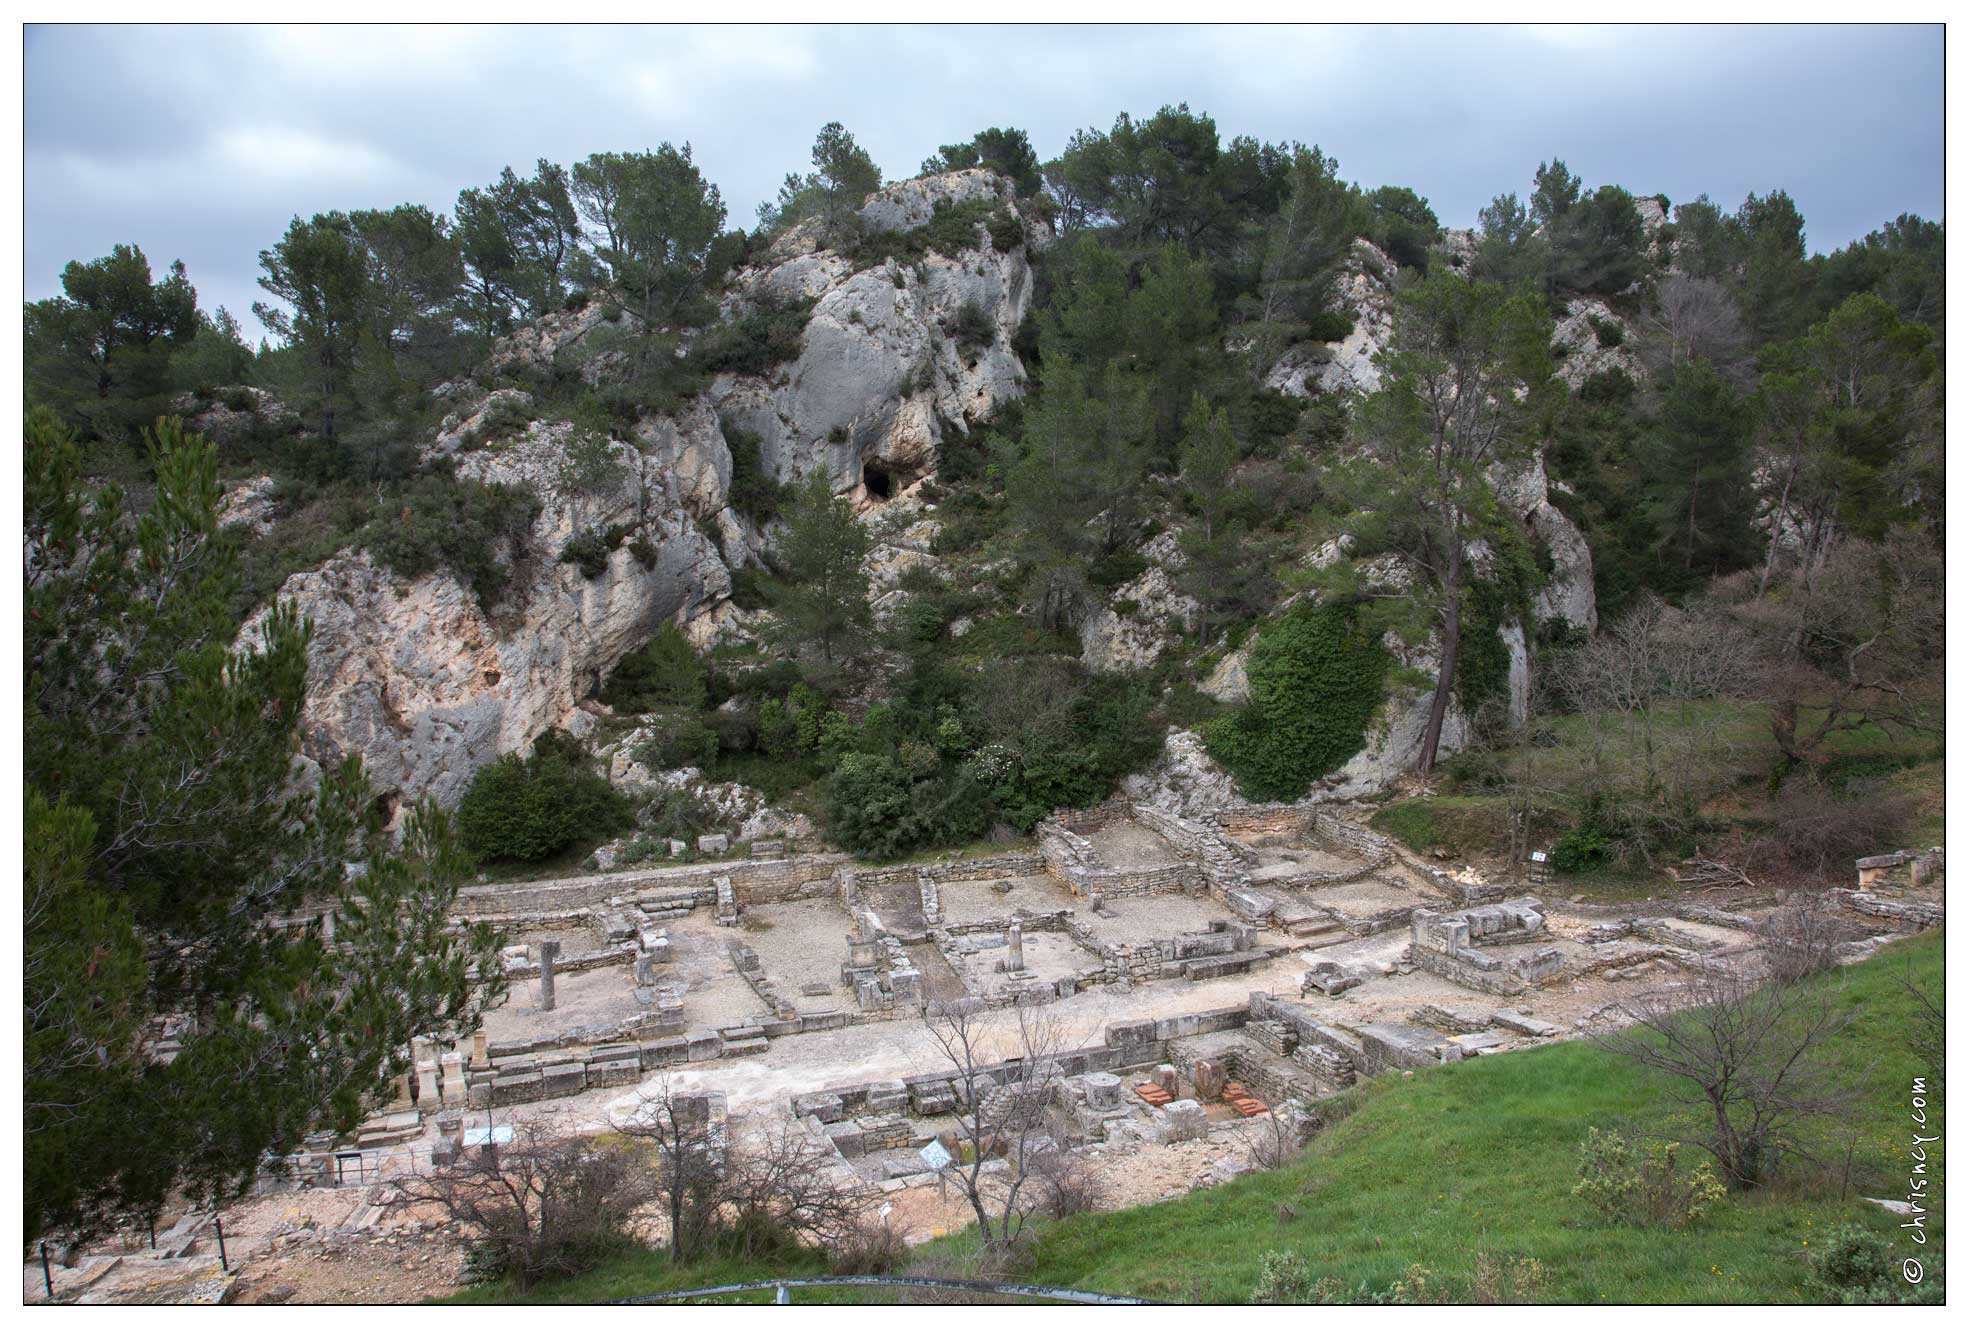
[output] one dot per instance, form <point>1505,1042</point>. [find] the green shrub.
<point>1609,333</point>
<point>503,418</point>
<point>1861,1267</point>
<point>665,672</point>
<point>678,814</point>
<point>1284,1279</point>
<point>588,551</point>
<point>886,806</point>
<point>764,336</point>
<point>527,810</point>
<point>1007,232</point>
<point>1581,849</point>
<point>679,738</point>
<point>1642,1185</point>
<point>1317,680</point>
<point>455,525</point>
<point>1116,569</point>
<point>971,328</point>
<point>753,492</point>
<point>1330,325</point>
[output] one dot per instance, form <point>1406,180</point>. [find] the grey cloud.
<point>200,142</point>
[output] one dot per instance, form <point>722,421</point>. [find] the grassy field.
<point>1434,1168</point>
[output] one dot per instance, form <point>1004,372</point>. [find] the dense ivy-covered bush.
<point>1317,679</point>
<point>527,810</point>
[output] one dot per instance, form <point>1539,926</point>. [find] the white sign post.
<point>938,1158</point>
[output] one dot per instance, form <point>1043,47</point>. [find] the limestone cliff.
<point>428,686</point>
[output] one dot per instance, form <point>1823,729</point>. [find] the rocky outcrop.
<point>248,503</point>
<point>881,372</point>
<point>1140,620</point>
<point>1595,339</point>
<point>1568,590</point>
<point>1365,291</point>
<point>236,415</point>
<point>428,685</point>
<point>1183,780</point>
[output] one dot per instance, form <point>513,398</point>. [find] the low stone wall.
<point>1291,821</point>
<point>1083,820</point>
<point>1273,1081</point>
<point>1119,883</point>
<point>1389,1047</point>
<point>1125,1046</point>
<point>1918,914</point>
<point>625,953</point>
<point>755,881</point>
<point>1446,944</point>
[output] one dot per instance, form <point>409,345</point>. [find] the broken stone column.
<point>1103,1090</point>
<point>1015,950</point>
<point>424,1055</point>
<point>451,1079</point>
<point>479,1057</point>
<point>549,951</point>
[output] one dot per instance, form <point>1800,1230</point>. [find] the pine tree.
<point>822,597</point>
<point>1463,380</point>
<point>166,834</point>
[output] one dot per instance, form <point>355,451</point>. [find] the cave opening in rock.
<point>877,481</point>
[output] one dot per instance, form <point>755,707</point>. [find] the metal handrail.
<point>780,1285</point>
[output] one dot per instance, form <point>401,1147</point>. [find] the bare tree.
<point>1007,1076</point>
<point>1064,1182</point>
<point>690,1144</point>
<point>1747,1054</point>
<point>1800,940</point>
<point>1855,643</point>
<point>781,1181</point>
<point>1654,752</point>
<point>1695,318</point>
<point>1271,1140</point>
<point>546,1205</point>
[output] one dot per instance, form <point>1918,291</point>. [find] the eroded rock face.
<point>1568,591</point>
<point>880,372</point>
<point>1579,333</point>
<point>1365,291</point>
<point>1183,780</point>
<point>428,686</point>
<point>1137,624</point>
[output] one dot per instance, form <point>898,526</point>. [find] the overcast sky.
<point>201,142</point>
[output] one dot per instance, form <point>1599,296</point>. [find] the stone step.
<point>1217,966</point>
<point>745,1047</point>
